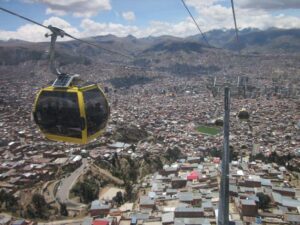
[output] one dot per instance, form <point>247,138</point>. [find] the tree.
<point>119,198</point>
<point>172,154</point>
<point>9,200</point>
<point>38,201</point>
<point>63,209</point>
<point>259,156</point>
<point>146,157</point>
<point>214,152</point>
<point>87,190</point>
<point>30,212</point>
<point>40,205</point>
<point>133,169</point>
<point>234,156</point>
<point>117,160</point>
<point>274,157</point>
<point>2,195</point>
<point>113,161</point>
<point>264,200</point>
<point>128,190</point>
<point>133,173</point>
<point>243,114</point>
<point>158,164</point>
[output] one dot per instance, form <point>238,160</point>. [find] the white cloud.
<point>92,28</point>
<point>184,28</point>
<point>200,4</point>
<point>269,4</point>
<point>27,32</point>
<point>262,19</point>
<point>250,13</point>
<point>210,14</point>
<point>155,28</point>
<point>129,16</point>
<point>56,12</point>
<point>78,8</point>
<point>35,33</point>
<point>62,24</point>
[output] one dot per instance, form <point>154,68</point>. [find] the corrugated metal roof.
<point>185,196</point>
<point>285,201</point>
<point>292,218</point>
<point>168,217</point>
<point>145,200</point>
<point>18,222</point>
<point>184,209</point>
<point>140,216</point>
<point>289,202</point>
<point>265,182</point>
<point>191,221</point>
<point>247,202</point>
<point>284,189</point>
<point>97,204</point>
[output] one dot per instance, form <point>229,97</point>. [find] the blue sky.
<point>145,11</point>
<point>143,17</point>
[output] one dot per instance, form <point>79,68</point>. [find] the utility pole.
<point>223,212</point>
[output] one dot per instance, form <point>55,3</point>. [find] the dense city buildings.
<point>169,126</point>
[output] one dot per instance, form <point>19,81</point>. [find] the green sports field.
<point>208,130</point>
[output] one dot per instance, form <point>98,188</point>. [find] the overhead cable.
<point>22,17</point>
<point>197,25</point>
<point>235,23</point>
<point>65,34</point>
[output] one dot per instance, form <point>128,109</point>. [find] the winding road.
<point>66,185</point>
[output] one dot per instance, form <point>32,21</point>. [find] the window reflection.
<point>58,113</point>
<point>96,109</point>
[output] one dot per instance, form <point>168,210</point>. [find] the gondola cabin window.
<point>58,113</point>
<point>96,109</point>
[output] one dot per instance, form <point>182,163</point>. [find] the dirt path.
<point>108,192</point>
<point>108,175</point>
<point>103,191</point>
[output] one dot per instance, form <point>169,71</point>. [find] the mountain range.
<point>165,53</point>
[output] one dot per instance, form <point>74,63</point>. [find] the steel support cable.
<point>195,22</point>
<point>22,17</point>
<point>236,29</point>
<point>58,32</point>
<point>63,33</point>
<point>235,23</point>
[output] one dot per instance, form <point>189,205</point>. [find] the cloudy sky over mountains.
<point>141,18</point>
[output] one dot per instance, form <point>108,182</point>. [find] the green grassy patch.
<point>208,130</point>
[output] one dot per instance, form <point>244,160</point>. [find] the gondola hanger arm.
<point>55,32</point>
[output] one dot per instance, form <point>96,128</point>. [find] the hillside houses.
<point>189,194</point>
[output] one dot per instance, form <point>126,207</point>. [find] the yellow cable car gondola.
<point>72,114</point>
<point>68,112</point>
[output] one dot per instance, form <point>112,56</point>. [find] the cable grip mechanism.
<point>55,33</point>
